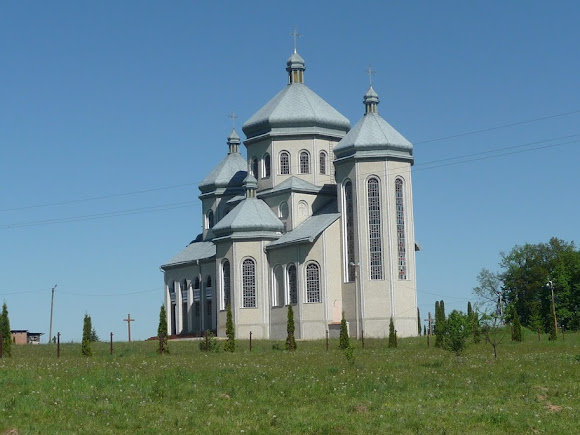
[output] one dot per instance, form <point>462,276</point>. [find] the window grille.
<point>312,283</point>
<point>402,255</point>
<point>375,242</point>
<point>304,163</point>
<point>284,163</point>
<point>249,283</point>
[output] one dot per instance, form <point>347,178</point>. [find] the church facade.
<point>319,216</point>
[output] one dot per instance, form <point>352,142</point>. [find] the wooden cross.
<point>129,320</point>
<point>371,72</point>
<point>295,35</point>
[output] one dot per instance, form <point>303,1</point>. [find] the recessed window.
<point>267,164</point>
<point>209,220</point>
<point>292,284</point>
<point>375,238</point>
<point>254,167</point>
<point>226,283</point>
<point>304,162</point>
<point>349,231</point>
<point>249,283</point>
<point>278,287</point>
<point>283,210</point>
<point>284,163</point>
<point>322,163</point>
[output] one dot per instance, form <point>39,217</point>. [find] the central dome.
<point>296,110</point>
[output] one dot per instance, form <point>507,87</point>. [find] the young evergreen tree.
<point>290,338</point>
<point>5,332</point>
<point>436,317</point>
<point>94,335</point>
<point>344,342</point>
<point>469,310</point>
<point>418,322</point>
<point>517,326</point>
<point>162,331</point>
<point>87,329</point>
<point>392,334</point>
<point>439,323</point>
<point>230,331</point>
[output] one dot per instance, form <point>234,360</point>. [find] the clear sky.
<point>112,112</point>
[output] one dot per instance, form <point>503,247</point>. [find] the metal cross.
<point>295,35</point>
<point>371,72</point>
<point>129,320</point>
<point>233,116</point>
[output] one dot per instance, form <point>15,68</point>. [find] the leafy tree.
<point>516,325</point>
<point>493,330</point>
<point>230,345</point>
<point>457,329</point>
<point>5,332</point>
<point>87,329</point>
<point>418,322</point>
<point>162,331</point>
<point>392,334</point>
<point>290,338</point>
<point>344,342</point>
<point>490,292</point>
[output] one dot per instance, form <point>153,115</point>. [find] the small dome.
<point>371,97</point>
<point>295,62</point>
<point>234,137</point>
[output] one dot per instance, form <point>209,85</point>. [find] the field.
<point>532,387</point>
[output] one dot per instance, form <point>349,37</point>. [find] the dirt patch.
<point>553,408</point>
<point>12,431</point>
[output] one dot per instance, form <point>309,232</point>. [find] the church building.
<point>318,216</point>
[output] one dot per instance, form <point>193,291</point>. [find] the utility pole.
<point>550,285</point>
<point>129,320</point>
<point>51,306</point>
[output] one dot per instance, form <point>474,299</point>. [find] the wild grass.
<point>532,387</point>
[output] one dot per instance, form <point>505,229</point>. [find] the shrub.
<point>290,339</point>
<point>457,329</point>
<point>209,342</point>
<point>392,334</point>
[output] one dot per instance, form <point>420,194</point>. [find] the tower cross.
<point>129,320</point>
<point>295,35</point>
<point>233,116</point>
<point>371,72</point>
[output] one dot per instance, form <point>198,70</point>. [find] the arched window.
<point>278,293</point>
<point>312,283</point>
<point>184,311</point>
<point>375,239</point>
<point>210,220</point>
<point>401,250</point>
<point>304,162</point>
<point>284,163</point>
<point>322,163</point>
<point>292,284</point>
<point>226,283</point>
<point>266,169</point>
<point>249,283</point>
<point>196,289</point>
<point>349,231</point>
<point>283,210</point>
<point>303,209</point>
<point>254,167</point>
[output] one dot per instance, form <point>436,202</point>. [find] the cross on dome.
<point>371,72</point>
<point>295,35</point>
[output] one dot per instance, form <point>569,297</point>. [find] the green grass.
<point>533,387</point>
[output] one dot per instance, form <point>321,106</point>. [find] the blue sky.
<point>112,112</point>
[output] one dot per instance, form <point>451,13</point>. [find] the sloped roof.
<point>294,184</point>
<point>309,230</point>
<point>193,251</point>
<point>250,215</point>
<point>296,109</point>
<point>230,172</point>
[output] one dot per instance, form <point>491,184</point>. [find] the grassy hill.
<point>532,387</point>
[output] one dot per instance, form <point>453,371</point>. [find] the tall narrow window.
<point>374,204</point>
<point>278,296</point>
<point>284,163</point>
<point>292,284</point>
<point>197,290</point>
<point>322,163</point>
<point>226,283</point>
<point>266,170</point>
<point>349,230</point>
<point>254,167</point>
<point>249,283</point>
<point>402,252</point>
<point>210,219</point>
<point>312,283</point>
<point>304,162</point>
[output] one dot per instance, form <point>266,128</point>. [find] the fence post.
<point>111,343</point>
<point>250,341</point>
<point>58,345</point>
<point>362,337</point>
<point>327,340</point>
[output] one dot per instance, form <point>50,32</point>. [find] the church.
<point>318,216</point>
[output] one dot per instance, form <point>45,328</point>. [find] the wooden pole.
<point>251,341</point>
<point>111,343</point>
<point>51,306</point>
<point>327,340</point>
<point>58,345</point>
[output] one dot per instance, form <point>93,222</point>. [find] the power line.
<point>484,130</point>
